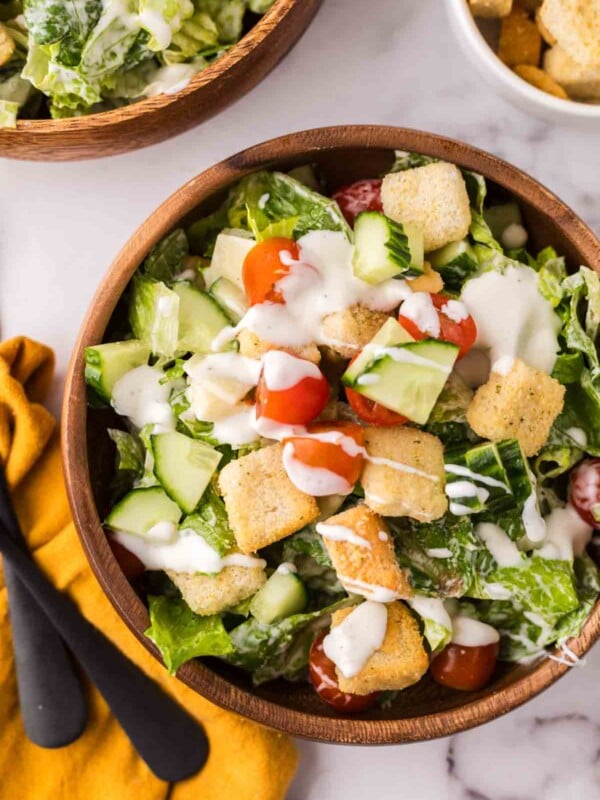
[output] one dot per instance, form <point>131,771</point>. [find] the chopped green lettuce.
<point>165,260</point>
<point>154,314</point>
<point>129,461</point>
<point>403,159</point>
<point>210,521</point>
<point>305,549</point>
<point>448,418</point>
<point>8,113</point>
<point>181,635</point>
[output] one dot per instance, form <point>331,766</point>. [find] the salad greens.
<point>74,57</point>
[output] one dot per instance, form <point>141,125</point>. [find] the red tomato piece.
<point>323,677</point>
<point>462,334</point>
<point>360,196</point>
<point>329,455</point>
<point>131,565</point>
<point>584,491</point>
<point>263,267</point>
<point>371,412</point>
<point>298,405</point>
<point>465,668</point>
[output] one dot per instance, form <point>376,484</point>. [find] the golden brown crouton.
<point>400,661</point>
<point>364,557</point>
<point>254,347</point>
<point>520,405</point>
<point>490,8</point>
<point>262,503</point>
<point>211,594</point>
<point>541,80</point>
<point>433,197</point>
<point>575,24</point>
<point>348,331</point>
<point>548,37</point>
<point>579,82</point>
<point>396,493</point>
<point>520,41</point>
<point>429,281</point>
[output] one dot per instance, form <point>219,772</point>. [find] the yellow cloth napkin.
<point>247,762</point>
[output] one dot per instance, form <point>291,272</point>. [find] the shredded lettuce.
<point>129,462</point>
<point>210,521</point>
<point>165,260</point>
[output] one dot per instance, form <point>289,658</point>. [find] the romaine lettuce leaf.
<point>181,635</point>
<point>165,259</point>
<point>162,18</point>
<point>67,87</point>
<point>154,314</point>
<point>305,549</point>
<point>542,586</point>
<point>448,418</point>
<point>403,159</point>
<point>228,16</point>
<point>211,522</point>
<point>587,584</point>
<point>68,22</point>
<point>437,625</point>
<point>552,273</point>
<point>130,456</point>
<point>106,48</point>
<point>8,113</point>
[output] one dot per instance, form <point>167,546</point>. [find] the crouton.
<point>490,8</point>
<point>348,331</point>
<point>400,661</point>
<point>521,405</point>
<point>253,346</point>
<point>520,41</point>
<point>548,37</point>
<point>429,281</point>
<point>211,594</point>
<point>262,503</point>
<point>541,80</point>
<point>7,46</point>
<point>576,27</point>
<point>396,493</point>
<point>579,82</point>
<point>364,557</point>
<point>433,197</point>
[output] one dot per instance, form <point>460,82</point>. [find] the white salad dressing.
<point>500,545</point>
<point>514,235</point>
<point>162,532</point>
<point>188,553</point>
<point>404,356</point>
<point>282,371</point>
<point>464,489</point>
<point>432,608</point>
<point>566,534</point>
<point>456,469</point>
<point>321,282</point>
<point>503,366</point>
<point>171,79</point>
<point>439,552</point>
<point>238,428</point>
<point>351,643</point>
<point>455,310</point>
<point>286,568</point>
<point>157,27</point>
<point>512,317</point>
<point>219,370</point>
<point>340,533</point>
<point>419,308</point>
<point>578,435</point>
<point>469,632</point>
<point>316,481</point>
<point>533,522</point>
<point>140,396</point>
<point>379,594</point>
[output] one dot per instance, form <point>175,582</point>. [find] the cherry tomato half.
<point>263,267</point>
<point>584,491</point>
<point>360,196</point>
<point>297,405</point>
<point>323,677</point>
<point>313,452</point>
<point>462,334</point>
<point>465,668</point>
<point>371,412</point>
<point>131,565</point>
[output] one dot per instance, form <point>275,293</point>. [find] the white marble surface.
<point>383,61</point>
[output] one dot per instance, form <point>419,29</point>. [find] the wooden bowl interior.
<point>421,711</point>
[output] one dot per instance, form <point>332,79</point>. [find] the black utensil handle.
<point>166,737</point>
<point>51,697</point>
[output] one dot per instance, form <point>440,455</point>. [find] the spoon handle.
<point>167,738</point>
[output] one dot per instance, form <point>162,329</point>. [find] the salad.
<point>357,436</point>
<point>67,59</point>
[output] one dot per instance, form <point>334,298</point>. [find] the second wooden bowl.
<point>423,711</point>
<point>157,118</point>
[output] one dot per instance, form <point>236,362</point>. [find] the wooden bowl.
<point>343,154</point>
<point>157,118</point>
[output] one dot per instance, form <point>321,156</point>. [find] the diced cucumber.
<point>517,470</point>
<point>500,217</point>
<point>280,597</point>
<point>231,248</point>
<point>153,314</point>
<point>184,466</point>
<point>106,363</point>
<point>200,319</point>
<point>231,298</point>
<point>405,376</point>
<point>455,262</point>
<point>306,175</point>
<point>385,249</point>
<point>141,510</point>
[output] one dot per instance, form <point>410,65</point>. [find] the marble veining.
<point>389,62</point>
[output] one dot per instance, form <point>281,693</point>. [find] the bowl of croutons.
<point>544,55</point>
<point>330,435</point>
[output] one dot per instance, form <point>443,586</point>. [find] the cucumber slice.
<point>200,319</point>
<point>231,298</point>
<point>141,510</point>
<point>500,217</point>
<point>153,313</point>
<point>231,248</point>
<point>184,467</point>
<point>391,333</point>
<point>455,262</point>
<point>385,249</point>
<point>280,597</point>
<point>516,468</point>
<point>106,363</point>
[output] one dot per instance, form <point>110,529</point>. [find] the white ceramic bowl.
<point>515,89</point>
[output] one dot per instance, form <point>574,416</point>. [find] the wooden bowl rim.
<point>75,462</point>
<point>150,105</point>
